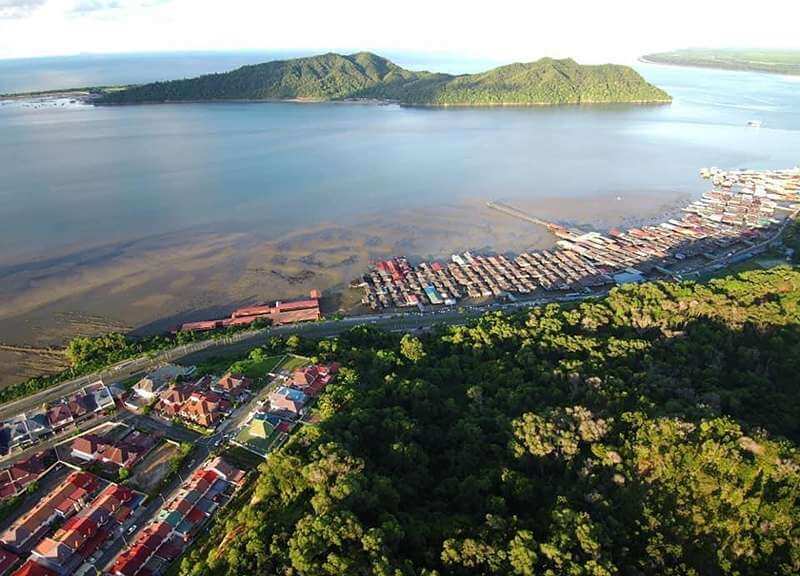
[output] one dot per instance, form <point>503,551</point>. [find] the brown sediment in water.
<point>153,284</point>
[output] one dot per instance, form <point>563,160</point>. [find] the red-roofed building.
<point>83,480</point>
<point>171,400</point>
<point>131,561</point>
<point>195,515</point>
<point>234,384</point>
<point>31,568</point>
<point>280,313</point>
<point>226,471</point>
<point>169,551</point>
<point>85,447</point>
<point>7,561</point>
<point>59,416</point>
<point>311,380</point>
<point>203,408</point>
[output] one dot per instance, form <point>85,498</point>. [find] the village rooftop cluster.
<point>742,211</point>
<point>68,525</point>
<point>289,401</point>
<point>65,414</point>
<point>180,519</point>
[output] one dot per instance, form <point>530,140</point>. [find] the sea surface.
<point>77,176</point>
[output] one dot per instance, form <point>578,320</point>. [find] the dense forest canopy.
<point>651,432</point>
<point>367,76</point>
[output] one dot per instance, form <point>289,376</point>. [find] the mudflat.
<point>155,283</point>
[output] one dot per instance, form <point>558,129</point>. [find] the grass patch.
<point>293,362</point>
<point>256,368</point>
<point>260,445</point>
<point>241,458</point>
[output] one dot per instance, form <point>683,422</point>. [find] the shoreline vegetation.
<point>89,355</point>
<point>368,78</point>
<point>786,62</point>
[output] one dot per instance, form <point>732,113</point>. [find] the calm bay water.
<point>81,176</point>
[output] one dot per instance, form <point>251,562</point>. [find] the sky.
<point>591,31</point>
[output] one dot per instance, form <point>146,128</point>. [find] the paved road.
<point>244,341</point>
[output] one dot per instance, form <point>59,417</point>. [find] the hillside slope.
<point>367,76</point>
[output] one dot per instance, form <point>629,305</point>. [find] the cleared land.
<point>155,467</point>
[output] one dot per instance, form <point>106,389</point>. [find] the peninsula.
<point>774,61</point>
<point>366,76</point>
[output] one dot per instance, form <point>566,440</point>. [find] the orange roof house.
<point>234,383</point>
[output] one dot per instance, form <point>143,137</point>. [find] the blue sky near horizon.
<point>504,30</point>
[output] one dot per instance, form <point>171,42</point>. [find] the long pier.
<point>517,213</point>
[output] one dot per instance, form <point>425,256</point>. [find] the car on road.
<point>131,529</point>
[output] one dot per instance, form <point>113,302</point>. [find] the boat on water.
<point>754,123</point>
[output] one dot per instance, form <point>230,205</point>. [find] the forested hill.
<point>367,76</point>
<point>653,432</point>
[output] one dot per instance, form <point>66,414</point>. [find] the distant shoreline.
<point>717,65</point>
<point>89,96</point>
<point>371,102</point>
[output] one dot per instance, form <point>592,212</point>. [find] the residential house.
<point>149,386</point>
<point>284,399</point>
<point>7,561</point>
<point>85,447</point>
<point>226,471</point>
<point>311,380</point>
<point>204,408</point>
<point>59,416</point>
<point>233,385</point>
<point>171,400</point>
<point>31,568</point>
<point>81,406</point>
<point>99,392</point>
<point>124,454</point>
<point>37,423</point>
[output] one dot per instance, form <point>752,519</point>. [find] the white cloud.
<point>18,8</point>
<point>587,30</point>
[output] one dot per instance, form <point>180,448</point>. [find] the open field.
<point>256,368</point>
<point>149,473</point>
<point>293,362</point>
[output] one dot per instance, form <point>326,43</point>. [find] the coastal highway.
<point>244,341</point>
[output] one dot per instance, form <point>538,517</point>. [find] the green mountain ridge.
<point>335,77</point>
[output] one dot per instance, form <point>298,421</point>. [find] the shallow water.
<point>81,176</point>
